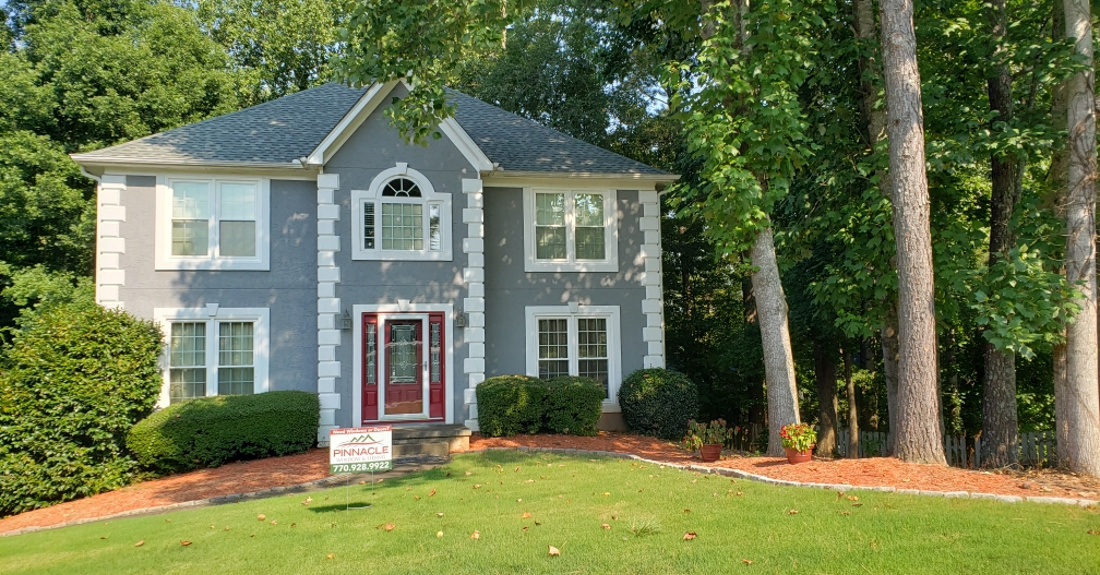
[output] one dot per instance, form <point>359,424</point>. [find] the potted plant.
<point>707,438</point>
<point>798,441</point>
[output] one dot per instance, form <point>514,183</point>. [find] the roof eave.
<point>578,175</point>
<point>91,160</point>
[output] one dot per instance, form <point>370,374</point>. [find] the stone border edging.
<point>727,472</point>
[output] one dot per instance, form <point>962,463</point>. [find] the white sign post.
<point>360,449</point>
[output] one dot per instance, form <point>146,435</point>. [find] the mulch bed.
<point>251,476</point>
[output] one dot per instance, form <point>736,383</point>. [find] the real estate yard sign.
<point>360,449</point>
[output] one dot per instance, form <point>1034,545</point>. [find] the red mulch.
<point>250,476</point>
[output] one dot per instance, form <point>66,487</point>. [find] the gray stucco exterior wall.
<point>373,148</point>
<point>289,289</point>
<point>509,289</point>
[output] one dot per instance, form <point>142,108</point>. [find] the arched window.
<point>401,218</point>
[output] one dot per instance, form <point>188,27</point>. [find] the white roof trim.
<point>348,124</point>
<point>367,104</point>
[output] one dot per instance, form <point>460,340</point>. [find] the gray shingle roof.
<point>277,131</point>
<point>291,127</point>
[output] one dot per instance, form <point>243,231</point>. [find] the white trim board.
<point>371,101</point>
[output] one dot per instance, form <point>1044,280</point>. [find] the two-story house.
<point>302,244</point>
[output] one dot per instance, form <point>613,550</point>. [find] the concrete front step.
<point>429,439</point>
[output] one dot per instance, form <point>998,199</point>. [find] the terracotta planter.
<point>795,457</point>
<point>710,452</point>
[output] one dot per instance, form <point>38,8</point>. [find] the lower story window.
<point>220,354</point>
<point>579,343</point>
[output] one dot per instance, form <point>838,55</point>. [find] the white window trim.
<point>428,196</point>
<point>570,264</point>
<point>261,316</point>
<point>402,308</point>
<point>571,313</point>
<point>164,260</point>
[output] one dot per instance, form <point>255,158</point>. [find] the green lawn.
<point>648,509</point>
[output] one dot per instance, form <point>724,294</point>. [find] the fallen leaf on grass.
<point>538,524</point>
<point>227,528</point>
<point>747,561</point>
<point>477,486</point>
<point>529,481</point>
<point>438,534</point>
<point>690,535</point>
<point>293,524</point>
<point>439,514</point>
<point>212,527</point>
<point>525,515</point>
<point>139,543</point>
<point>104,537</point>
<point>605,494</point>
<point>475,535</point>
<point>184,542</point>
<point>526,527</point>
<point>416,497</point>
<point>274,522</point>
<point>553,551</point>
<point>606,526</point>
<point>307,501</point>
<point>517,468</point>
<point>739,494</point>
<point>431,493</point>
<point>330,556</point>
<point>845,512</point>
<point>839,494</point>
<point>469,473</point>
<point>857,505</point>
<point>252,535</point>
<point>389,526</point>
<point>261,517</point>
<point>687,511</point>
<point>519,500</point>
<point>792,512</point>
<point>1093,532</point>
<point>853,498</point>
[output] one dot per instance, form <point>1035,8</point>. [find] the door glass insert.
<point>404,392</point>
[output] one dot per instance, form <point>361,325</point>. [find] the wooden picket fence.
<point>1037,448</point>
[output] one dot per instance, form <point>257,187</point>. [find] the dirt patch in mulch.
<point>251,476</point>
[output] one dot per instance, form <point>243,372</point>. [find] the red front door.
<point>404,366</point>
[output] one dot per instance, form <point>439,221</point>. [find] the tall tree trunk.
<point>918,435</point>
<point>875,117</point>
<point>771,309</point>
<point>999,421</point>
<point>853,410</point>
<point>890,374</point>
<point>825,373</point>
<point>1080,397</point>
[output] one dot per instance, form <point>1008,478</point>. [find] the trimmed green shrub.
<point>73,382</point>
<point>210,431</point>
<point>510,404</point>
<point>573,405</point>
<point>658,402</point>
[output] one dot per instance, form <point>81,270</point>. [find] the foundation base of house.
<point>611,422</point>
<point>419,439</point>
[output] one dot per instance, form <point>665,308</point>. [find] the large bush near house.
<point>510,404</point>
<point>573,405</point>
<point>210,431</point>
<point>74,380</point>
<point>658,402</point>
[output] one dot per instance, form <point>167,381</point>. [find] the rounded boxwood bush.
<point>74,381</point>
<point>210,431</point>
<point>573,405</point>
<point>510,404</point>
<point>658,402</point>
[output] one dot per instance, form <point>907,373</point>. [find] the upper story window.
<point>212,223</point>
<point>401,218</point>
<point>570,230</point>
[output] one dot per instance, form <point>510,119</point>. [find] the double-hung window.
<point>401,218</point>
<point>214,351</point>
<point>581,342</point>
<point>212,223</point>
<point>570,230</point>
